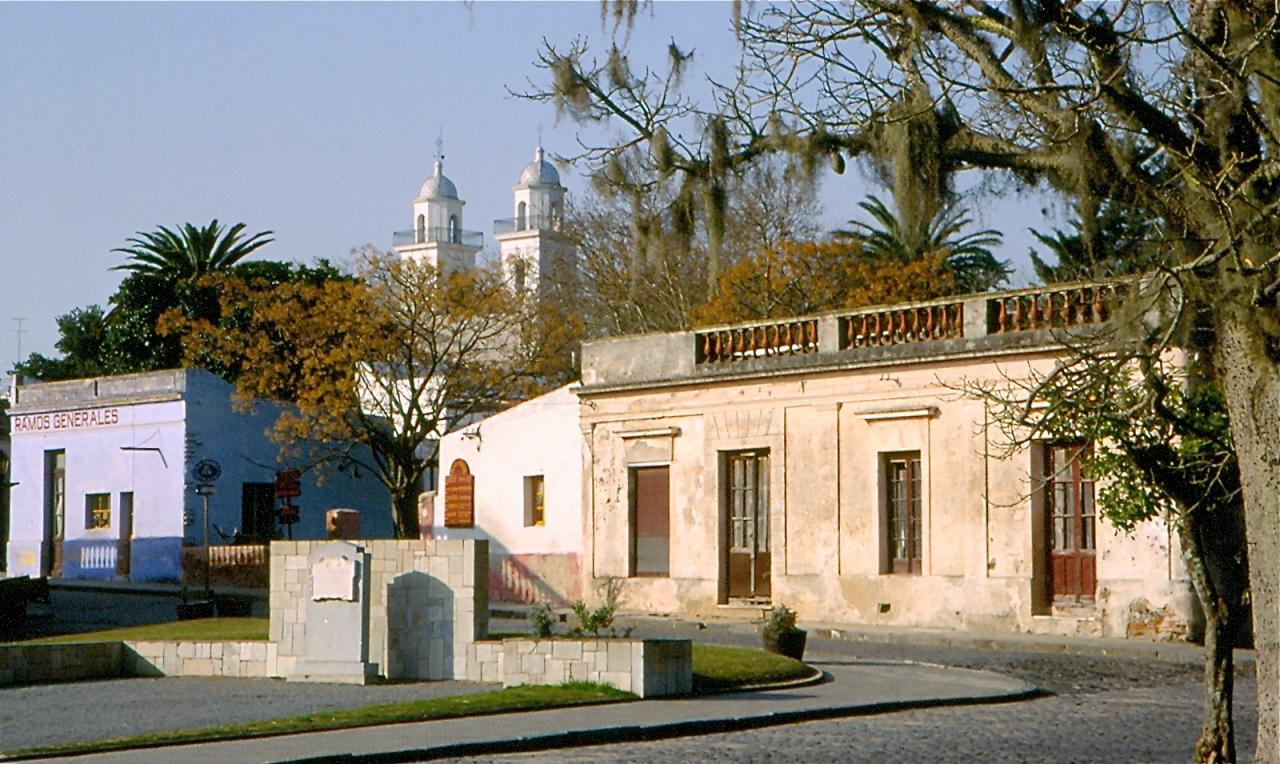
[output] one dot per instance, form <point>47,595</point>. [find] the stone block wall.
<point>429,602</point>
<point>230,659</point>
<point>645,667</point>
<point>26,664</point>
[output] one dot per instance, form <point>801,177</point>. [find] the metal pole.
<point>207,591</point>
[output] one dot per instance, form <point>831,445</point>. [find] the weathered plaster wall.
<point>827,434</point>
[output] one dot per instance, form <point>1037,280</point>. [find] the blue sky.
<point>317,121</point>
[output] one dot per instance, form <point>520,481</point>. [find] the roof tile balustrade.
<point>897,326</point>
<point>1077,305</point>
<point>758,341</point>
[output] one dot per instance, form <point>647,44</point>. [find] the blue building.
<point>104,485</point>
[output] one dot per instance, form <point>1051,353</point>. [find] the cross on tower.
<point>440,146</point>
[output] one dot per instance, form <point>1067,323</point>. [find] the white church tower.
<point>437,236</point>
<point>532,245</point>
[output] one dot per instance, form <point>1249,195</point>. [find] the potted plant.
<point>780,634</point>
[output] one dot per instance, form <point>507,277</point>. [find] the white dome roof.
<point>438,186</point>
<point>539,172</point>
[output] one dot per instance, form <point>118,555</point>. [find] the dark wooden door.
<point>1071,533</point>
<point>124,546</point>
<point>747,534</point>
<point>56,510</point>
<point>258,511</point>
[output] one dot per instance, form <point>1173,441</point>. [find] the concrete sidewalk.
<point>852,688</point>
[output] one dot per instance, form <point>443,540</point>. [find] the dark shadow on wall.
<point>420,627</point>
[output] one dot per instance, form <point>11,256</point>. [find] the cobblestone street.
<point>1103,710</point>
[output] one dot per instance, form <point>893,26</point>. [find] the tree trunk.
<point>404,511</point>
<point>1217,738</point>
<point>1251,382</point>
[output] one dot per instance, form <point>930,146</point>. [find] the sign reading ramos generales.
<point>66,420</point>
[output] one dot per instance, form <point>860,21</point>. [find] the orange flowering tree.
<point>803,278</point>
<point>391,359</point>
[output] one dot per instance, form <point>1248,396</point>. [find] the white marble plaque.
<point>334,579</point>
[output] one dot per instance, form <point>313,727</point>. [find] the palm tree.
<point>190,252</point>
<point>969,255</point>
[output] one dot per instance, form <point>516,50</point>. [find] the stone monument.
<point>336,641</point>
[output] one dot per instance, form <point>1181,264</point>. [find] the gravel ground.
<point>76,711</point>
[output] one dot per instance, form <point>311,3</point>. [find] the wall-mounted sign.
<point>459,496</point>
<point>334,579</point>
<point>66,420</point>
<point>288,484</point>
<point>207,470</point>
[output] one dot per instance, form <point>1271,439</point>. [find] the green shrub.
<point>541,619</point>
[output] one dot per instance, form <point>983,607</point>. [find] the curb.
<point>643,733</point>
<point>1178,652</point>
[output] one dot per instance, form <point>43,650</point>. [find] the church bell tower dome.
<point>438,186</point>
<point>539,172</point>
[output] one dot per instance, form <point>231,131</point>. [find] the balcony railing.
<point>759,341</point>
<point>1049,308</point>
<point>438,236</point>
<point>531,223</point>
<point>897,326</point>
<point>1002,322</point>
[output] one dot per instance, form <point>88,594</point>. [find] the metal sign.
<point>207,470</point>
<point>288,484</point>
<point>205,489</point>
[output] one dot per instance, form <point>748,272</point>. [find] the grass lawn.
<point>720,669</point>
<point>200,629</point>
<point>502,701</point>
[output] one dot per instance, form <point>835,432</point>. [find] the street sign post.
<point>206,471</point>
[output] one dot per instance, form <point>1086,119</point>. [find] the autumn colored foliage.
<point>810,277</point>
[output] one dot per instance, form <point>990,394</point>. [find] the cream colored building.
<point>828,463</point>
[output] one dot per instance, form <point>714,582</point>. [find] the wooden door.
<point>1071,532</point>
<point>55,510</point>
<point>747,534</point>
<point>651,521</point>
<point>258,511</point>
<point>125,545</point>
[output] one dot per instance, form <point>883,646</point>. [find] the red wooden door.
<point>1071,531</point>
<point>651,521</point>
<point>747,534</point>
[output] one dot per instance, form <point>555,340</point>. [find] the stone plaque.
<point>334,579</point>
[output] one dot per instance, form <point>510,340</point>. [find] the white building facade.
<point>524,468</point>
<point>103,485</point>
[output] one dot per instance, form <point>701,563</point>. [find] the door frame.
<point>54,515</point>
<point>1077,519</point>
<point>763,477</point>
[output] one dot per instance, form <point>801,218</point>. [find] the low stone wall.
<point>28,664</point>
<point>32,664</point>
<point>646,667</point>
<point>230,659</point>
